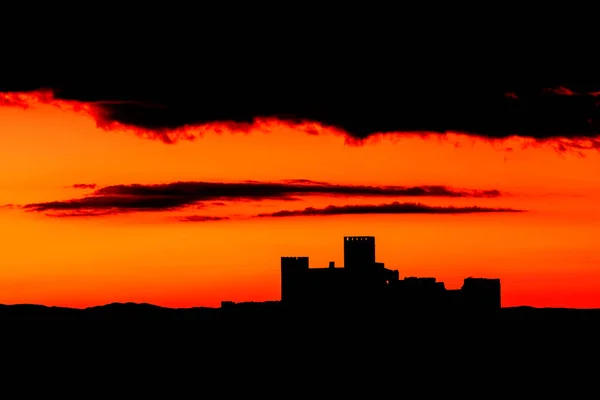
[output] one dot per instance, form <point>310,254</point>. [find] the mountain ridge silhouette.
<point>145,304</point>
<point>149,311</point>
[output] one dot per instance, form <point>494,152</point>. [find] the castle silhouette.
<point>363,281</point>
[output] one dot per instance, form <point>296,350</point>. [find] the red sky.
<point>545,256</point>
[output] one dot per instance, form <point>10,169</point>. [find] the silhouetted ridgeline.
<point>262,343</point>
<point>266,315</point>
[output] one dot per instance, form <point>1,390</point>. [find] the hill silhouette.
<point>257,347</point>
<point>268,314</point>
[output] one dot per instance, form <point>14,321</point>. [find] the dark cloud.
<point>84,186</point>
<point>200,218</point>
<point>389,99</point>
<point>81,213</point>
<point>172,196</point>
<point>364,74</point>
<point>390,208</point>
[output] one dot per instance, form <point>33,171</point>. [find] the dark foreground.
<point>249,349</point>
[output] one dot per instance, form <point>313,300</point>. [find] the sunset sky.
<point>101,203</point>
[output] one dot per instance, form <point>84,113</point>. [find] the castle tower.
<point>293,277</point>
<point>359,252</point>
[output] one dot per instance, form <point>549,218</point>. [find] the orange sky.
<point>546,256</point>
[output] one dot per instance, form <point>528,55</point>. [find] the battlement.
<point>359,238</point>
<point>294,263</point>
<point>359,252</point>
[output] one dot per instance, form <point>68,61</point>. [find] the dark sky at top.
<point>488,74</point>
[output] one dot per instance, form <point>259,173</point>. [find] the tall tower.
<point>293,278</point>
<point>359,252</point>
